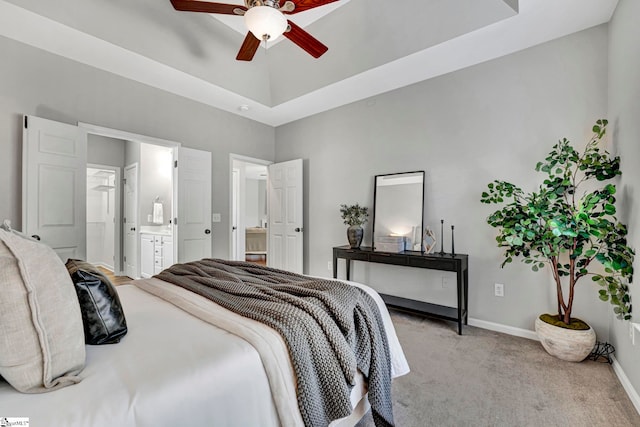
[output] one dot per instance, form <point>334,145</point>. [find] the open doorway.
<point>249,213</point>
<point>142,201</point>
<point>63,195</point>
<point>103,214</point>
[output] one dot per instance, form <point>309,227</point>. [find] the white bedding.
<point>174,369</point>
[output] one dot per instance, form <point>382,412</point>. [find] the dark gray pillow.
<point>102,314</point>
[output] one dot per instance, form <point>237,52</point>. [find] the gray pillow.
<point>41,338</point>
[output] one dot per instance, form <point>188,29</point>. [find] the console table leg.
<point>335,267</point>
<point>466,296</point>
<point>348,262</point>
<point>460,292</point>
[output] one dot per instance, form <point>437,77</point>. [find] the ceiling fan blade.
<point>208,7</point>
<point>249,47</point>
<point>302,5</point>
<point>305,40</point>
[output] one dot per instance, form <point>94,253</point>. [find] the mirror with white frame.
<point>398,210</point>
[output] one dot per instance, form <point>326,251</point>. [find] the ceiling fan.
<point>265,20</point>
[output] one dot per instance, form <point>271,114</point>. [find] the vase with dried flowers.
<point>354,216</point>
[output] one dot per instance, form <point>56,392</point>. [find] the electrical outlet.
<point>216,217</point>
<point>329,265</point>
<point>499,289</point>
<point>445,282</point>
<point>634,327</point>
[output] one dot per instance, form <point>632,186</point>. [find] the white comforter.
<point>172,368</point>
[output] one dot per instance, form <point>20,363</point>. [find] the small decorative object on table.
<point>354,216</point>
<point>442,237</point>
<point>428,240</point>
<point>393,244</point>
<point>453,248</point>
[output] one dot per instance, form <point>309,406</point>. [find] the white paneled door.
<point>194,204</point>
<point>131,220</point>
<point>286,237</point>
<point>54,177</point>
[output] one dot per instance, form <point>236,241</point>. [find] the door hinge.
<point>175,221</point>
<point>26,122</point>
<point>175,164</point>
<point>125,258</point>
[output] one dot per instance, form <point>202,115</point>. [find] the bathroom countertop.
<point>161,230</point>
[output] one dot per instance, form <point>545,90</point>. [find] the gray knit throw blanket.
<point>330,328</point>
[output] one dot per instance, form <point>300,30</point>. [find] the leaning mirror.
<point>398,206</point>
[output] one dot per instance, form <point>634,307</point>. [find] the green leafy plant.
<point>566,229</point>
<point>354,214</point>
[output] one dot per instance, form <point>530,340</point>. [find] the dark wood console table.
<point>458,263</point>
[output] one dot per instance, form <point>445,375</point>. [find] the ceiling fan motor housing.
<point>271,3</point>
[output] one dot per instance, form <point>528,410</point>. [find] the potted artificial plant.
<point>354,216</point>
<point>571,229</point>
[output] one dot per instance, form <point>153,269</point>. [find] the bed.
<point>185,361</point>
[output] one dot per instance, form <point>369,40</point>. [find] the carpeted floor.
<point>485,378</point>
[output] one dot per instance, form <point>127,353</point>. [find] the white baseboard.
<point>525,333</point>
<point>510,330</point>
<point>626,384</point>
<point>101,264</point>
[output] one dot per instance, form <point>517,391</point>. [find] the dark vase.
<point>354,234</point>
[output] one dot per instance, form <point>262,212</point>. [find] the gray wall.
<point>45,85</point>
<point>102,150</point>
<point>465,129</point>
<point>624,112</point>
<point>252,212</point>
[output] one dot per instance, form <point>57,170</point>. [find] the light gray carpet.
<point>486,378</point>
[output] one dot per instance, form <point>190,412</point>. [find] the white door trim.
<point>235,213</point>
<point>136,227</point>
<point>121,134</point>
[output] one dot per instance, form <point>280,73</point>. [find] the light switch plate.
<point>216,217</point>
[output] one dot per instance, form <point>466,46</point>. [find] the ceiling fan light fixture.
<point>265,23</point>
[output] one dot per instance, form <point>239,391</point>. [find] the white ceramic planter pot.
<point>565,344</point>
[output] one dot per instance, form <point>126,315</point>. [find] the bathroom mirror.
<point>398,210</point>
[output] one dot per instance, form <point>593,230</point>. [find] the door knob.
<point>133,229</point>
<point>234,228</point>
<point>298,230</point>
<point>35,236</point>
<point>207,231</point>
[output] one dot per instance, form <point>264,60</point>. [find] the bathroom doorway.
<point>249,215</point>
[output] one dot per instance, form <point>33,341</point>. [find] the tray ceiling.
<point>374,46</point>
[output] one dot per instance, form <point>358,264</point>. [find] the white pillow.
<point>41,332</point>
